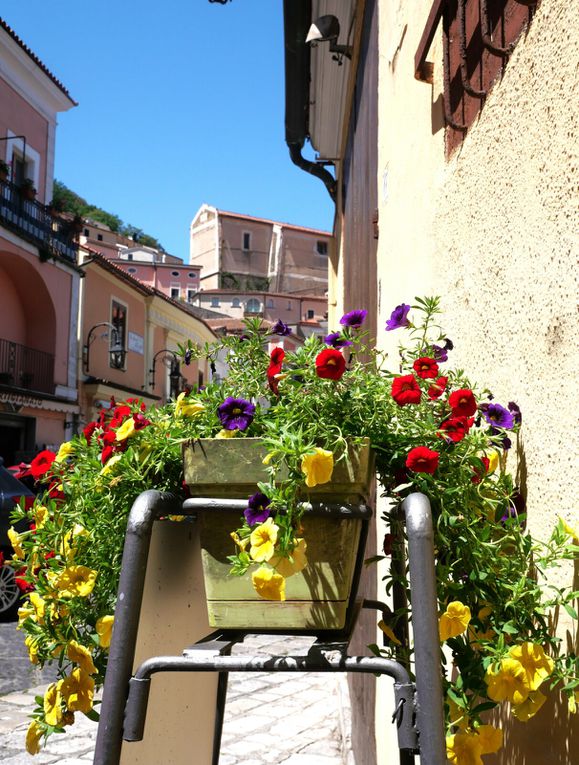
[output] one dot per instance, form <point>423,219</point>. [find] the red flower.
<point>21,582</point>
<point>425,367</point>
<point>106,454</point>
<point>41,463</point>
<point>455,428</point>
<point>330,364</point>
<point>405,390</point>
<point>437,388</point>
<point>1,558</point>
<point>480,472</point>
<point>462,403</point>
<point>274,368</point>
<point>387,544</point>
<point>422,460</point>
<point>88,431</point>
<point>140,421</point>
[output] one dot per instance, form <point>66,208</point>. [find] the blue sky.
<point>180,103</point>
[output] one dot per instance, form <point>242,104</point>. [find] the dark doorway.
<point>16,438</point>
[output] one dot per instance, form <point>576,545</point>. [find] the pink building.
<point>39,276</point>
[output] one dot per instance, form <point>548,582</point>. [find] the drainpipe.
<point>297,20</point>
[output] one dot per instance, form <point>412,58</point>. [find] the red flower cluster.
<point>108,422</point>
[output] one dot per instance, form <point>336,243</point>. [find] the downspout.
<point>297,20</point>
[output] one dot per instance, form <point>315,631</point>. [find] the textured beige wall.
<point>494,232</point>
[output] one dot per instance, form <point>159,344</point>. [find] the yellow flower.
<point>318,467</point>
<point>65,450</point>
<point>263,539</point>
<point>226,434</point>
<point>464,748</point>
<point>268,584</point>
<point>80,655</point>
<point>40,515</point>
<point>39,607</point>
<point>388,632</point>
<point>491,738</point>
<point>535,662</point>
<point>510,683</point>
<point>78,691</point>
<point>68,543</point>
<point>494,459</point>
<point>189,408</point>
<point>110,464</point>
<point>572,701</point>
<point>104,628</point>
<point>176,518</point>
<point>74,581</point>
<point>32,646</point>
<point>454,620</point>
<point>33,735</point>
<point>16,542</point>
<point>24,613</point>
<point>530,706</point>
<point>126,430</point>
<point>570,530</point>
<point>53,704</point>
<point>288,567</point>
<point>457,715</point>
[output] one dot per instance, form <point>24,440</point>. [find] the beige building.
<point>455,148</point>
<point>241,252</point>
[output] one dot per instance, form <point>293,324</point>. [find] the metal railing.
<point>34,222</point>
<point>23,367</point>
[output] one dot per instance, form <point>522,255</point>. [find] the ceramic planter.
<point>319,598</point>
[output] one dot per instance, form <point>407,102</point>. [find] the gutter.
<point>297,17</point>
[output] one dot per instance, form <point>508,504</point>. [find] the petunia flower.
<point>16,542</point>
<point>257,510</point>
<point>497,416</point>
<point>462,402</point>
<point>335,340</point>
<point>287,567</point>
<point>104,630</point>
<point>33,735</point>
<point>464,748</point>
<point>65,450</point>
<point>280,328</point>
<point>41,463</point>
<point>354,319</point>
<point>52,704</point>
<point>78,691</point>
<point>508,683</point>
<point>236,413</point>
<point>268,584</point>
<point>422,460</point>
<point>454,620</point>
<point>491,738</point>
<point>405,390</point>
<point>455,428</point>
<point>535,662</point>
<point>330,364</point>
<point>274,369</point>
<point>262,540</point>
<point>186,407</point>
<point>398,317</point>
<point>439,353</point>
<point>425,367</point>
<point>317,467</point>
<point>515,411</point>
<point>74,581</point>
<point>187,357</point>
<point>80,655</point>
<point>530,706</point>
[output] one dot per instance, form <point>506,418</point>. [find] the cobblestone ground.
<point>270,719</point>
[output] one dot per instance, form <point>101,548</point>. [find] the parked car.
<point>11,490</point>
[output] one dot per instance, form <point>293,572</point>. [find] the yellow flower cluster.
<point>467,746</point>
<point>517,678</point>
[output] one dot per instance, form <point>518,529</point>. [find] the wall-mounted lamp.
<point>171,361</point>
<point>116,350</point>
<point>327,29</point>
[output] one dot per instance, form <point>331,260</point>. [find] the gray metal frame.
<point>418,706</point>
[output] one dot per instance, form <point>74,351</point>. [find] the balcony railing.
<point>34,222</point>
<point>23,367</point>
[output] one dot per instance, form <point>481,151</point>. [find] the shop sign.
<point>136,343</point>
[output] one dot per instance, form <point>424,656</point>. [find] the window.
<point>247,240</point>
<point>100,237</point>
<point>175,293</point>
<point>118,338</point>
<point>270,303</point>
<point>192,275</point>
<point>132,270</point>
<point>321,247</point>
<point>253,306</point>
<point>235,303</point>
<point>215,302</point>
<point>289,305</point>
<point>310,313</point>
<point>130,256</point>
<point>191,295</point>
<point>86,232</point>
<point>175,273</point>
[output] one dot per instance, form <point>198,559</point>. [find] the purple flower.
<point>515,411</point>
<point>257,510</point>
<point>236,413</point>
<point>439,353</point>
<point>497,416</point>
<point>507,443</point>
<point>354,319</point>
<point>280,328</point>
<point>398,317</point>
<point>188,354</point>
<point>336,340</point>
<point>448,344</point>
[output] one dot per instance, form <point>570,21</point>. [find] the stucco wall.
<point>494,232</point>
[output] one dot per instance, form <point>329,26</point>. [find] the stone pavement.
<point>270,719</point>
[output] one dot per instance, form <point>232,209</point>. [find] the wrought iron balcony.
<point>34,222</point>
<point>27,368</point>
